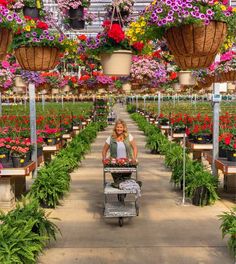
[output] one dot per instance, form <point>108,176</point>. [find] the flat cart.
<point>113,206</point>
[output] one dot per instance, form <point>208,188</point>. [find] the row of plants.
<point>25,231</point>
<point>200,185</point>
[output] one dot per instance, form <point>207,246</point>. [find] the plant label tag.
<point>216,98</point>
<point>234,154</point>
<point>49,140</point>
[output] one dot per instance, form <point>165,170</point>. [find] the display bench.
<point>13,183</point>
<point>197,149</point>
<point>228,168</point>
<point>48,151</point>
<point>76,129</point>
<point>164,129</point>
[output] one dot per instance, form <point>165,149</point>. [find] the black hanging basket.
<point>77,24</point>
<point>32,12</point>
<point>222,153</point>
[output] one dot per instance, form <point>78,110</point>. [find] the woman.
<point>121,145</point>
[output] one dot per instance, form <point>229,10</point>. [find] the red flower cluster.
<point>116,33</point>
<point>138,46</point>
<point>173,75</point>
<point>42,25</point>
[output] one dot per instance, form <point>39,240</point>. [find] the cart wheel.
<point>137,211</point>
<point>121,221</point>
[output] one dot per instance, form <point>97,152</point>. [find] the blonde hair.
<point>120,122</point>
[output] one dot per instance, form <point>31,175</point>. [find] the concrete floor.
<point>165,232</point>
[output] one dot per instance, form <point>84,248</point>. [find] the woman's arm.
<point>135,149</point>
<point>104,150</point>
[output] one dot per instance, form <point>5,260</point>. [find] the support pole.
<point>159,104</point>
<point>136,102</point>
<point>144,103</point>
<point>184,168</point>
<point>33,131</point>
<point>43,102</point>
<point>62,101</point>
<point>216,122</point>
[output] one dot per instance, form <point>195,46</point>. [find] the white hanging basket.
<point>126,87</point>
<point>186,78</point>
<point>19,90</point>
<point>66,88</point>
<point>117,63</point>
<point>19,82</point>
<point>55,91</point>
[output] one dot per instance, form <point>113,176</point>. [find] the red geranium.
<point>116,33</point>
<point>3,2</point>
<point>42,25</point>
<point>173,75</point>
<point>138,46</point>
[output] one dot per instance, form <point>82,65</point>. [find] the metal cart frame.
<point>118,209</point>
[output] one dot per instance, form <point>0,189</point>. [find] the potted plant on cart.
<point>194,30</point>
<point>37,48</point>
<point>4,150</point>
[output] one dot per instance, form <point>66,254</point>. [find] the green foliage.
<point>195,175</point>
<point>228,227</point>
<point>131,109</point>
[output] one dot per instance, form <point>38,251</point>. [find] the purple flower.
<point>171,13</point>
<point>209,12</point>
<point>160,23</point>
<point>51,38</point>
<point>41,37</point>
<point>169,18</point>
<point>35,39</point>
<point>197,14</point>
<point>195,8</point>
<point>159,10</point>
<point>19,21</point>
<point>34,34</point>
<point>189,5</point>
<point>207,21</point>
<point>175,8</point>
<point>9,17</point>
<point>168,2</point>
<point>183,5</point>
<point>46,32</point>
<point>27,35</point>
<point>202,16</point>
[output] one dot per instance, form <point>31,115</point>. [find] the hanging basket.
<point>66,89</point>
<point>206,82</point>
<point>186,78</point>
<point>55,91</point>
<point>19,82</point>
<point>32,12</point>
<point>5,40</point>
<point>117,63</point>
<point>126,87</point>
<point>226,77</point>
<point>19,90</point>
<point>195,46</point>
<point>37,58</point>
<point>76,18</point>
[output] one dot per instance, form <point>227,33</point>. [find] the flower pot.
<point>55,91</point>
<point>66,88</point>
<point>195,46</point>
<point>77,24</point>
<point>200,196</point>
<point>43,91</point>
<point>4,158</point>
<point>231,155</point>
<point>18,161</point>
<point>28,156</point>
<point>39,151</point>
<point>32,12</point>
<point>19,90</point>
<point>126,87</point>
<point>222,153</point>
<point>5,40</point>
<point>117,63</point>
<point>50,141</point>
<point>202,139</point>
<point>186,78</point>
<point>19,82</point>
<point>37,58</point>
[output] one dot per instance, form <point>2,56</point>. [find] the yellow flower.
<point>154,2</point>
<point>27,28</point>
<point>223,8</point>
<point>234,9</point>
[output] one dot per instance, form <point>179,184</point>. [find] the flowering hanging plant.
<point>36,33</point>
<point>8,18</point>
<point>161,15</point>
<point>112,38</point>
<point>65,5</point>
<point>19,4</point>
